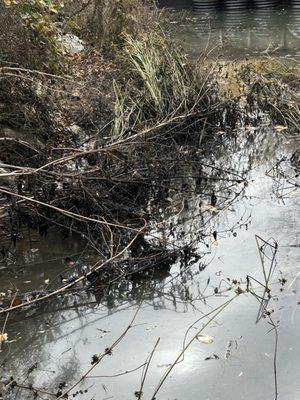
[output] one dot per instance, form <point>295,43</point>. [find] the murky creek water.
<point>236,30</point>
<point>238,364</point>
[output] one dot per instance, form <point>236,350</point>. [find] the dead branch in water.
<point>139,393</point>
<point>215,313</point>
<point>99,357</point>
<point>72,214</point>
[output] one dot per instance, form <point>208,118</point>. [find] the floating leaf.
<point>3,337</point>
<point>280,128</point>
<point>47,281</point>
<point>214,244</point>
<point>208,207</point>
<point>205,339</point>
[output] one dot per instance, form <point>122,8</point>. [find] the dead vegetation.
<point>88,148</point>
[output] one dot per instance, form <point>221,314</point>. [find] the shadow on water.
<point>55,343</point>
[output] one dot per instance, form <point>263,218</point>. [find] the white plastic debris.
<point>70,43</point>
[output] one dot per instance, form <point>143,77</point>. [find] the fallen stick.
<point>100,357</point>
<point>70,213</point>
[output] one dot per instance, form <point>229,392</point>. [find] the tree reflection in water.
<point>54,337</point>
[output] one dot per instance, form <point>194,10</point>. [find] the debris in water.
<point>11,341</point>
<point>280,128</point>
<point>238,290</point>
<point>228,350</point>
<point>213,199</point>
<point>208,207</point>
<point>3,337</point>
<point>150,328</point>
<point>103,333</point>
<point>229,347</point>
<point>283,281</point>
<point>66,350</point>
<point>104,388</point>
<point>212,357</point>
<point>205,339</point>
<point>164,365</point>
<point>267,312</point>
<point>95,359</point>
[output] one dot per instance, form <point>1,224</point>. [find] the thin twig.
<point>100,357</point>
<point>169,370</point>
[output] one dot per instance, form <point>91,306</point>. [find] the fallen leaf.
<point>47,281</point>
<point>214,244</point>
<point>205,339</point>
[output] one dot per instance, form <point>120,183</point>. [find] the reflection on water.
<point>56,344</point>
<point>260,29</point>
<point>27,262</point>
<point>266,26</point>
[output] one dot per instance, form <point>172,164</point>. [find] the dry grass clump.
<point>160,83</point>
<point>268,84</point>
<point>104,23</point>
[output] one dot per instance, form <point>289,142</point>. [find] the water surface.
<point>237,30</point>
<point>61,339</point>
